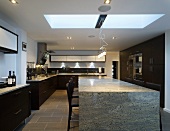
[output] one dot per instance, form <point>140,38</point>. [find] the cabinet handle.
<point>18,93</point>
<point>151,68</point>
<point>44,92</point>
<point>16,113</point>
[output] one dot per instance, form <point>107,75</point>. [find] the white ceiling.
<point>29,15</point>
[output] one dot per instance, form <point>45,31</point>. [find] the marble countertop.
<point>13,88</point>
<point>106,84</point>
<point>84,74</point>
<point>39,78</point>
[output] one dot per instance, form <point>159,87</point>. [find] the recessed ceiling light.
<point>91,36</point>
<point>113,37</point>
<point>104,8</point>
<point>130,20</point>
<point>13,1</point>
<point>107,1</point>
<point>72,21</point>
<point>69,37</point>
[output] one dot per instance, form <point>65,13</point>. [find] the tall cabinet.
<point>150,67</point>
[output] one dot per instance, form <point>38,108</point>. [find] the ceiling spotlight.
<point>72,48</point>
<point>107,1</point>
<point>13,1</point>
<point>91,36</point>
<point>69,38</point>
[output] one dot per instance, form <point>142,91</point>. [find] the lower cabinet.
<point>15,108</point>
<point>41,91</point>
<point>62,80</point>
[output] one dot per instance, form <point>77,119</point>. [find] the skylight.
<point>72,21</point>
<point>112,21</point>
<point>130,21</point>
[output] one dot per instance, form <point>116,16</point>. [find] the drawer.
<point>11,120</point>
<point>13,100</point>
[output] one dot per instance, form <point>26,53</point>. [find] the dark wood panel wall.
<point>153,64</point>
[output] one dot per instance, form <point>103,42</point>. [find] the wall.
<point>31,50</point>
<point>14,62</point>
<point>167,71</point>
<point>111,56</point>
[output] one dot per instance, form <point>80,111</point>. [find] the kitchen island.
<point>107,104</point>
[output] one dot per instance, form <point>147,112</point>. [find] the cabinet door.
<point>58,58</point>
<point>73,58</point>
<point>158,51</point>
<point>158,74</point>
<point>147,73</point>
<point>147,53</point>
<point>8,40</point>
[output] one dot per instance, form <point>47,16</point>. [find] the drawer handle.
<point>44,92</point>
<point>18,93</point>
<point>16,113</point>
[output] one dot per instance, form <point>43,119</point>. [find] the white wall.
<point>111,56</point>
<point>14,62</point>
<point>167,71</point>
<point>31,50</point>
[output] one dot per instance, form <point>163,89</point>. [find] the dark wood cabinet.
<point>15,107</point>
<point>62,80</point>
<point>41,91</point>
<point>153,53</point>
<point>153,64</point>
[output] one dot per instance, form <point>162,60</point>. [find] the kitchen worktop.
<point>106,84</point>
<point>9,89</point>
<point>41,78</point>
<point>107,104</point>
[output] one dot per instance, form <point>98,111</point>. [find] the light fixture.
<point>77,65</point>
<point>72,48</point>
<point>130,21</point>
<point>107,1</point>
<point>13,1</point>
<point>103,44</point>
<point>72,21</point>
<point>113,37</point>
<point>69,37</point>
<point>62,65</point>
<point>91,65</point>
<point>102,54</point>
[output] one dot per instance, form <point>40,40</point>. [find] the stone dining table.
<point>107,104</point>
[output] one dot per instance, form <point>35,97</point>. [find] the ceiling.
<point>29,15</point>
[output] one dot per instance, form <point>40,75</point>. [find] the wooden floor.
<point>52,116</point>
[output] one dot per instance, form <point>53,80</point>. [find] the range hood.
<point>44,58</point>
<point>42,53</point>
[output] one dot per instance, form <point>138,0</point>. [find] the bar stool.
<point>74,90</point>
<point>73,102</point>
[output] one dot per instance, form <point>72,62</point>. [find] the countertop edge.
<point>13,88</point>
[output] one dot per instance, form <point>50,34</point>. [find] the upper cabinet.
<point>8,41</point>
<point>56,58</point>
<point>154,51</point>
